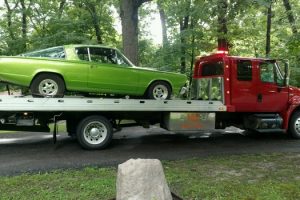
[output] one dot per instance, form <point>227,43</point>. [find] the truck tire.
<point>94,132</point>
<point>159,90</point>
<point>47,85</point>
<point>294,125</point>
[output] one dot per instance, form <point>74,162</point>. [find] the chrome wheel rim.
<point>48,87</point>
<point>297,125</point>
<point>95,132</point>
<point>160,92</point>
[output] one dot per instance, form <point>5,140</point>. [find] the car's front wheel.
<point>159,90</point>
<point>47,85</point>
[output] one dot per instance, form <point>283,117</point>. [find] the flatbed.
<point>94,120</point>
<point>84,104</point>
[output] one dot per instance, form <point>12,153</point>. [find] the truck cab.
<point>254,90</point>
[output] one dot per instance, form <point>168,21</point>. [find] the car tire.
<point>94,132</point>
<point>294,125</point>
<point>47,85</point>
<point>159,90</point>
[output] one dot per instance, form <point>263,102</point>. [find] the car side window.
<point>82,53</point>
<point>103,55</point>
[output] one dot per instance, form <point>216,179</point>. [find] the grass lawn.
<point>267,176</point>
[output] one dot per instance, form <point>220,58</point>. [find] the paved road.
<point>31,152</point>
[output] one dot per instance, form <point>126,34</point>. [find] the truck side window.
<point>212,69</point>
<point>244,70</point>
<point>267,72</point>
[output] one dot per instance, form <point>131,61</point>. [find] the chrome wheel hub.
<point>48,87</point>
<point>160,92</point>
<point>95,132</point>
<point>297,125</point>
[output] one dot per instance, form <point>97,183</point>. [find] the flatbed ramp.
<point>84,104</point>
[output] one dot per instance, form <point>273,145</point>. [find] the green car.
<point>87,69</point>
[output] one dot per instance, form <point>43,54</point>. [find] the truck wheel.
<point>294,125</point>
<point>159,90</point>
<point>94,132</point>
<point>47,85</point>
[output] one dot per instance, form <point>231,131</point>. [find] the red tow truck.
<point>256,92</point>
<point>249,93</point>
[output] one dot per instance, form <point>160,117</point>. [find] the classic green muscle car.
<point>87,69</point>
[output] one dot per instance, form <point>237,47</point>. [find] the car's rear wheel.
<point>48,85</point>
<point>159,90</point>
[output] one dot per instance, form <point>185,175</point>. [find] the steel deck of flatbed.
<point>84,104</point>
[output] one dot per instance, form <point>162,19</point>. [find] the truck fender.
<point>288,114</point>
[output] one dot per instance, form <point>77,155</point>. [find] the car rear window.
<point>55,52</point>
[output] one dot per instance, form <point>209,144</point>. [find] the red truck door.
<point>272,95</point>
<point>257,86</point>
<point>243,89</point>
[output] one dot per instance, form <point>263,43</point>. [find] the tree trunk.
<point>268,35</point>
<point>162,15</point>
<point>24,24</point>
<point>193,50</point>
<point>61,8</point>
<point>9,19</point>
<point>222,25</point>
<point>290,15</point>
<point>95,18</point>
<point>184,25</point>
<point>129,18</point>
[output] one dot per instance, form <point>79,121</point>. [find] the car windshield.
<point>55,52</point>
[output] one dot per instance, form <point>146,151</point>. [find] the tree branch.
<point>138,3</point>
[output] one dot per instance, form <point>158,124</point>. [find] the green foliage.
<point>246,23</point>
<point>51,24</point>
